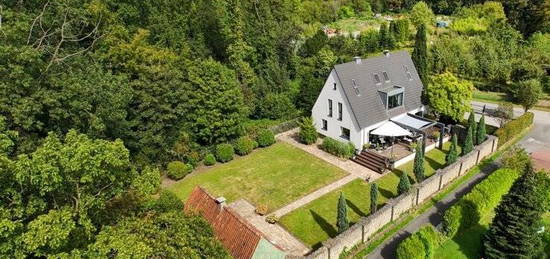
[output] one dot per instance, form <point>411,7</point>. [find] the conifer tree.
<point>469,142</point>
<point>418,168</point>
<point>373,197</point>
<point>473,125</point>
<point>383,35</point>
<point>404,184</point>
<point>513,232</point>
<point>452,156</point>
<point>342,221</point>
<point>420,54</point>
<point>481,130</point>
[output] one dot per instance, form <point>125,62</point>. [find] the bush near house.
<point>308,133</point>
<point>265,138</point>
<point>224,153</point>
<point>484,197</point>
<point>337,148</point>
<point>244,145</point>
<point>420,245</point>
<point>177,170</point>
<point>514,128</point>
<point>209,159</point>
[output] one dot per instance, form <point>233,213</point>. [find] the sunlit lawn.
<point>316,221</point>
<point>274,176</point>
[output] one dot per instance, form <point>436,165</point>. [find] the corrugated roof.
<point>368,107</point>
<point>237,236</point>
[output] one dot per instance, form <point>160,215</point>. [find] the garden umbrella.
<point>390,129</point>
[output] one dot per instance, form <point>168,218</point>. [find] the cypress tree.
<point>342,221</point>
<point>469,142</point>
<point>472,124</point>
<point>373,197</point>
<point>383,35</point>
<point>452,156</point>
<point>513,232</point>
<point>481,130</point>
<point>420,54</point>
<point>391,43</point>
<point>418,168</point>
<point>404,184</point>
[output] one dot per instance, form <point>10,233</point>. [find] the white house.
<point>361,95</point>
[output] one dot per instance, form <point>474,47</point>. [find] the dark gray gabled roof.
<point>368,107</point>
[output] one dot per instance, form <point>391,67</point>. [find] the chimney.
<point>386,53</point>
<point>357,60</point>
<point>220,201</point>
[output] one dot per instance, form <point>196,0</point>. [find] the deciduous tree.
<point>529,93</point>
<point>450,96</point>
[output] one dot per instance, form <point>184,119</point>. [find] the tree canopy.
<point>449,96</point>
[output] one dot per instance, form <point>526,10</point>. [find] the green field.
<point>273,176</point>
<point>316,221</point>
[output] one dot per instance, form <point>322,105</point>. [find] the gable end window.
<point>329,107</point>
<point>325,125</point>
<point>339,111</point>
<point>334,86</point>
<point>395,101</point>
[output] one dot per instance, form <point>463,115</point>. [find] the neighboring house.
<point>241,239</point>
<point>361,95</point>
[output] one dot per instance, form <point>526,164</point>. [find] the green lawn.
<point>273,176</point>
<point>316,221</point>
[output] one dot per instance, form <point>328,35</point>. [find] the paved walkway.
<point>272,232</point>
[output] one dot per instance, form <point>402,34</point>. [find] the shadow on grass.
<point>386,193</point>
<point>434,164</point>
<point>325,225</point>
<point>355,209</point>
<point>470,242</point>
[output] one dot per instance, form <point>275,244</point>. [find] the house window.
<point>334,86</point>
<point>329,107</point>
<point>386,77</point>
<point>376,79</point>
<point>345,133</point>
<point>395,100</point>
<point>325,125</point>
<point>339,111</point>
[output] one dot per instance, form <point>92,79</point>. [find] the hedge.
<point>224,153</point>
<point>265,138</point>
<point>177,170</point>
<point>514,128</point>
<point>483,198</point>
<point>337,148</point>
<point>244,145</point>
<point>421,244</point>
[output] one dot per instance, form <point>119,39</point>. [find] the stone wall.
<point>368,226</point>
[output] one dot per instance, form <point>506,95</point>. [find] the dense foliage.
<point>337,148</point>
<point>418,163</point>
<point>404,184</point>
<point>308,133</point>
<point>452,156</point>
<point>177,170</point>
<point>244,145</point>
<point>224,153</point>
<point>449,96</point>
<point>209,159</point>
<point>265,138</point>
<point>513,128</point>
<point>420,245</point>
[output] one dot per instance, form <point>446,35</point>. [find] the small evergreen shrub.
<point>514,128</point>
<point>261,209</point>
<point>177,170</point>
<point>404,184</point>
<point>209,159</point>
<point>224,153</point>
<point>271,219</point>
<point>308,133</point>
<point>337,148</point>
<point>265,138</point>
<point>244,145</point>
<point>168,201</point>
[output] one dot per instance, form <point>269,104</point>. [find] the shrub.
<point>261,209</point>
<point>244,145</point>
<point>209,159</point>
<point>483,198</point>
<point>308,133</point>
<point>177,170</point>
<point>404,184</point>
<point>420,244</point>
<point>271,219</point>
<point>337,148</point>
<point>514,128</point>
<point>168,201</point>
<point>224,153</point>
<point>515,158</point>
<point>265,138</point>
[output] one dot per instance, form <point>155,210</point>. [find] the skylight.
<point>376,78</point>
<point>386,77</point>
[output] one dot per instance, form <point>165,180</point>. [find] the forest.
<point>97,96</point>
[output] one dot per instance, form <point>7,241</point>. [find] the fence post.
<point>478,153</point>
<point>440,179</point>
<point>460,169</point>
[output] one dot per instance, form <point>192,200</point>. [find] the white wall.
<point>320,112</point>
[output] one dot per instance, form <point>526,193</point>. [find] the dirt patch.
<point>541,159</point>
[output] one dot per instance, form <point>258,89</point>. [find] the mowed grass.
<point>273,176</point>
<point>316,222</point>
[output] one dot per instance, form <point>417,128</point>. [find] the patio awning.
<point>411,121</point>
<point>390,129</point>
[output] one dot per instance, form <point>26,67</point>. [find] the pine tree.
<point>404,184</point>
<point>342,220</point>
<point>513,232</point>
<point>473,125</point>
<point>469,142</point>
<point>419,164</point>
<point>373,197</point>
<point>481,130</point>
<point>452,156</point>
<point>420,54</point>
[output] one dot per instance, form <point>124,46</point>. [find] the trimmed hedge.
<point>177,170</point>
<point>421,244</point>
<point>244,145</point>
<point>483,198</point>
<point>209,159</point>
<point>514,128</point>
<point>337,148</point>
<point>265,138</point>
<point>224,153</point>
